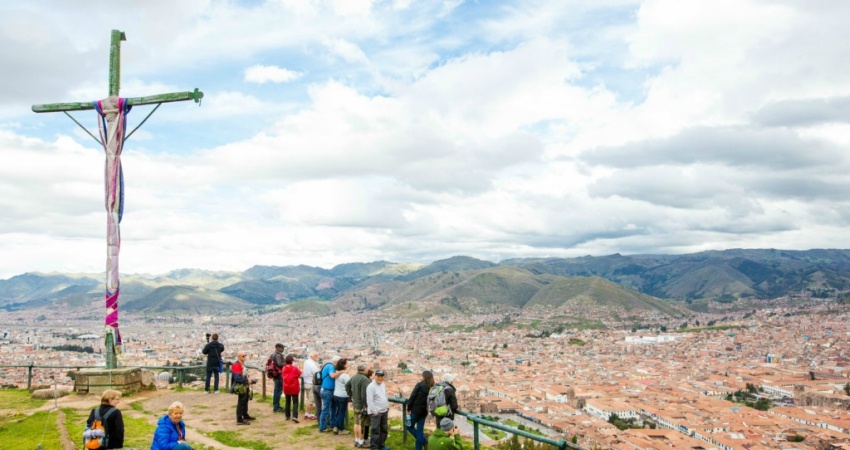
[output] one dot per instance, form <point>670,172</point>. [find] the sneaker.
<point>249,418</point>
<point>295,419</point>
<point>326,430</point>
<point>206,392</point>
<point>343,432</point>
<point>216,392</point>
<point>335,430</point>
<point>279,410</point>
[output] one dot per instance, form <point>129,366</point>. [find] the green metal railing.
<point>477,421</point>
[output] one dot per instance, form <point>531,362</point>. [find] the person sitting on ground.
<point>170,431</point>
<point>113,422</point>
<point>445,437</point>
<point>242,389</point>
<point>291,375</point>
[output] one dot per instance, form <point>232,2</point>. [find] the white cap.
<point>449,377</point>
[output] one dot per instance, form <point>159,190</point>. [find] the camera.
<point>208,336</point>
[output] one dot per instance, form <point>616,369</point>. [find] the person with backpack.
<point>105,425</point>
<point>442,399</point>
<point>242,388</point>
<point>291,375</point>
<point>327,379</point>
<point>213,350</point>
<point>273,367</point>
<point>356,389</point>
<point>417,407</point>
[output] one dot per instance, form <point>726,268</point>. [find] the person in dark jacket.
<point>114,424</point>
<point>170,431</point>
<point>417,407</point>
<point>213,350</point>
<point>451,397</point>
<point>242,389</point>
<point>356,388</point>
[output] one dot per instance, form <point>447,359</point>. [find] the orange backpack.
<point>93,439</point>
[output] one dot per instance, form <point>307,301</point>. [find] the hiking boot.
<point>343,432</point>
<point>249,418</point>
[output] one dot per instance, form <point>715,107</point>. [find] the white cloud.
<point>263,74</point>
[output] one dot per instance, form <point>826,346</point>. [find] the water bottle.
<point>407,420</point>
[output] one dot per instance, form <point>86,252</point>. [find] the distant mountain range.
<point>459,284</point>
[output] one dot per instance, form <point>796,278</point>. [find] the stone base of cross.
<point>113,133</point>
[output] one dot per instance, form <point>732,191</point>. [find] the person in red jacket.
<point>291,375</point>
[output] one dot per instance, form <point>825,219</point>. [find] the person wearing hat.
<point>378,405</point>
<point>445,437</point>
<point>279,361</point>
<point>451,397</point>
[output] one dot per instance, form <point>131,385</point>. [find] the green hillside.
<point>181,299</point>
<point>600,292</point>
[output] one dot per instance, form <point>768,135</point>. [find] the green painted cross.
<point>113,137</point>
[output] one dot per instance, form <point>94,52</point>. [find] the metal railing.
<point>477,420</point>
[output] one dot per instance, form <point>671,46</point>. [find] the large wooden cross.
<point>112,112</point>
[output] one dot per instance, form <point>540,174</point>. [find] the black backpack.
<point>317,376</point>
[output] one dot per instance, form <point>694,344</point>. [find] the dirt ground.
<point>205,413</point>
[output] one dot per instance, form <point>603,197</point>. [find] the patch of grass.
<point>232,439</point>
<point>305,431</point>
<point>137,406</point>
<point>138,432</point>
<point>24,432</point>
<point>496,435</point>
<point>18,399</point>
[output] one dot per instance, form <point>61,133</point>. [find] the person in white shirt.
<point>312,394</point>
<point>340,399</point>
<point>378,405</point>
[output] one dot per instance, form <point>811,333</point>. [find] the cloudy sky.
<point>414,130</point>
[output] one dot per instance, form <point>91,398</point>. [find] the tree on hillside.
<point>847,389</point>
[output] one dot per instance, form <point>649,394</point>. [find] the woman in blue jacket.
<point>170,431</point>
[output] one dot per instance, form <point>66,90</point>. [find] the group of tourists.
<point>330,388</point>
<point>328,391</point>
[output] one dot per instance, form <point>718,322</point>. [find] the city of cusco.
<point>425,225</point>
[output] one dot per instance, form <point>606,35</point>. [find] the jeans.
<point>182,445</point>
<point>211,371</point>
<point>325,417</point>
<point>417,429</point>
<point>340,410</point>
<point>293,400</point>
<point>379,431</point>
<point>278,390</point>
<point>317,399</point>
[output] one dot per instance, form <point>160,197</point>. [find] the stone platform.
<point>96,381</point>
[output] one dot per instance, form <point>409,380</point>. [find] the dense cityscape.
<point>773,377</point>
